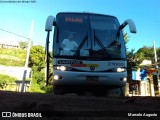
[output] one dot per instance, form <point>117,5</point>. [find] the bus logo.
<point>92,68</point>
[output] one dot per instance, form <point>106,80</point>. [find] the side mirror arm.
<point>131,24</point>
<point>48,28</point>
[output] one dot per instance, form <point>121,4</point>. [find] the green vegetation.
<point>37,63</point>
<point>144,53</point>
<point>5,80</point>
<point>10,62</point>
<point>16,57</point>
<point>134,59</point>
<point>15,52</point>
<point>23,45</point>
<point>12,56</point>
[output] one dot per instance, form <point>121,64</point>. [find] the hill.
<point>12,56</point>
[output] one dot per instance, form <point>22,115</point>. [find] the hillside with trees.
<point>144,53</point>
<point>17,56</point>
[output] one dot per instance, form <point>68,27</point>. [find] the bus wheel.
<point>81,92</point>
<point>58,90</point>
<point>122,92</point>
<point>100,93</point>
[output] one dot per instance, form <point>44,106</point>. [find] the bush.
<point>37,82</point>
<point>48,89</point>
<point>5,80</point>
<point>35,87</point>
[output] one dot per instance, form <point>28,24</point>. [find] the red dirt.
<point>67,107</point>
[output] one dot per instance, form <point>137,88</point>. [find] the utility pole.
<point>29,45</point>
<point>155,54</point>
<point>27,57</point>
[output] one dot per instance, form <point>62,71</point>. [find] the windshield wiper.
<point>101,45</point>
<point>81,45</point>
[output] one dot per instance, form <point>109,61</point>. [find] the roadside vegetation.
<point>37,63</point>
<point>12,56</point>
<point>5,80</point>
<point>144,53</point>
<point>16,57</point>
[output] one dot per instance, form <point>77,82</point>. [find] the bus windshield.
<point>88,36</point>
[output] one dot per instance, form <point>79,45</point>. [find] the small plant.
<point>5,80</point>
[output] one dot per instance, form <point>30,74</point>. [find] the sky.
<point>17,17</point>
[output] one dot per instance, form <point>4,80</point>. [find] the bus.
<point>89,52</point>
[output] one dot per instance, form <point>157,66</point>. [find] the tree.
<point>130,58</point>
<point>37,58</point>
<point>23,45</point>
<point>144,53</point>
<point>158,55</point>
<point>126,37</point>
<point>37,63</point>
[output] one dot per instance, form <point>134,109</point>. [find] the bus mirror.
<point>131,24</point>
<point>49,23</point>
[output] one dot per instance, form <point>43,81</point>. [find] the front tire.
<point>100,93</point>
<point>58,90</point>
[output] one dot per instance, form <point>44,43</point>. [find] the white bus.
<point>89,52</point>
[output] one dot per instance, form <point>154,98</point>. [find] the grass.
<point>12,56</point>
<point>15,52</point>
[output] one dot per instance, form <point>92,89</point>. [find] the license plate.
<point>92,78</point>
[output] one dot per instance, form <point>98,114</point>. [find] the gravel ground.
<point>28,106</point>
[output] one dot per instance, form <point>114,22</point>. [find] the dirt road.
<point>30,106</point>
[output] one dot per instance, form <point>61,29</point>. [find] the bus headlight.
<point>123,79</point>
<point>121,69</point>
<point>62,68</point>
<point>56,77</point>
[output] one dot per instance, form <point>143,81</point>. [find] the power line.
<point>20,36</point>
<point>13,33</point>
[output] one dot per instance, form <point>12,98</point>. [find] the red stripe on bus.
<point>78,65</point>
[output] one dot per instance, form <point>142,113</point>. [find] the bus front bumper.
<point>114,79</point>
